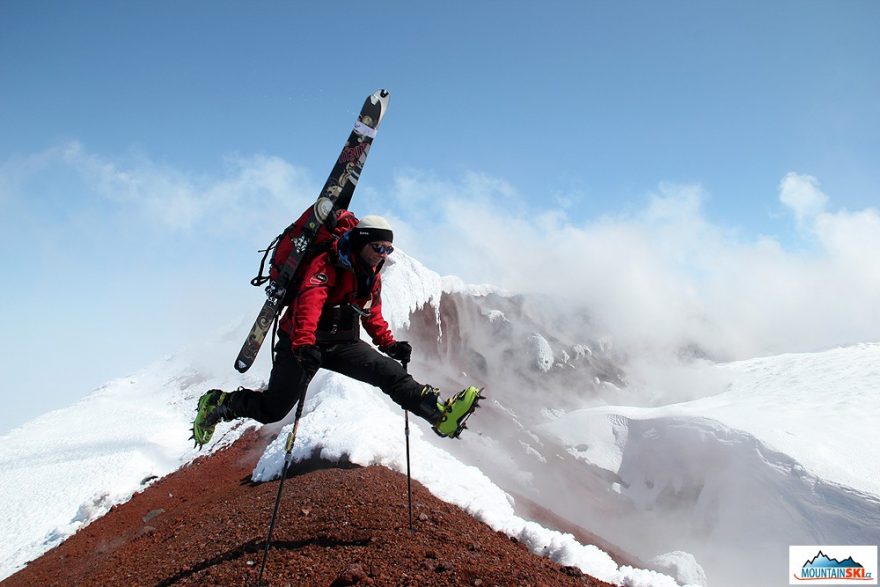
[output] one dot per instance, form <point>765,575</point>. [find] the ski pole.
<point>288,457</point>
<point>408,476</point>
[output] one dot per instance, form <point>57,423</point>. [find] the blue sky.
<point>148,149</point>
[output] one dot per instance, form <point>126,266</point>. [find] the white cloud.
<point>802,195</point>
<point>247,193</point>
<point>250,190</point>
<point>664,276</point>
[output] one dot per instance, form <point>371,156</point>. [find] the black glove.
<point>309,358</point>
<point>400,351</point>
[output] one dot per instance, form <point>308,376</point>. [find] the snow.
<point>68,467</point>
<point>682,565</point>
<point>342,418</point>
<point>541,351</point>
<point>786,454</point>
<point>809,407</point>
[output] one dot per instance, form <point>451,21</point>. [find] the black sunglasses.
<point>382,249</point>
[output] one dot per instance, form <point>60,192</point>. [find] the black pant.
<point>288,382</point>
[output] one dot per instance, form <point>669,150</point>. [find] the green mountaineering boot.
<point>455,411</point>
<point>213,408</point>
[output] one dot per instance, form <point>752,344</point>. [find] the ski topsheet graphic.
<point>335,195</point>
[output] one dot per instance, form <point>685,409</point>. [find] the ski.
<point>335,195</point>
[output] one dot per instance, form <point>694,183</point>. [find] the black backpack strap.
<point>260,279</point>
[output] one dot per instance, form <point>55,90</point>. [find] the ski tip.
<point>380,97</point>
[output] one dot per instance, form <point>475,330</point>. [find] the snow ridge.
<point>132,430</point>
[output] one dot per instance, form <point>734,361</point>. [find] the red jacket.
<point>326,283</point>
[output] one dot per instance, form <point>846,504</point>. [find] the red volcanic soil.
<point>206,524</point>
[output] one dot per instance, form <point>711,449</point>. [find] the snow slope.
<point>66,468</point>
<point>786,455</point>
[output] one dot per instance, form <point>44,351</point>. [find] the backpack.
<point>338,223</point>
